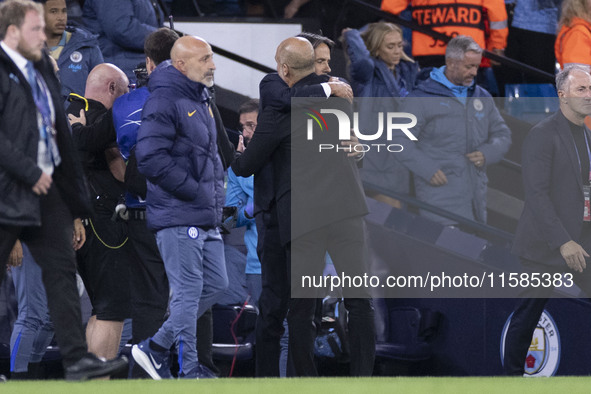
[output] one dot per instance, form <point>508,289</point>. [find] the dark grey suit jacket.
<point>275,94</point>
<point>554,202</point>
<point>326,186</point>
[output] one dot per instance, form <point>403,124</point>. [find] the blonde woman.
<point>379,67</point>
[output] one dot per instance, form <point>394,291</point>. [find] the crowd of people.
<point>127,188</point>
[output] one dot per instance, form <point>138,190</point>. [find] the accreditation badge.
<point>587,211</point>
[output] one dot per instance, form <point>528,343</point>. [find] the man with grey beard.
<point>177,152</point>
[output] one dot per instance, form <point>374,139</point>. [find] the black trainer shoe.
<point>90,366</point>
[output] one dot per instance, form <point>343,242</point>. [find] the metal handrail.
<point>462,221</point>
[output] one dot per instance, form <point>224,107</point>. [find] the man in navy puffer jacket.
<point>177,152</point>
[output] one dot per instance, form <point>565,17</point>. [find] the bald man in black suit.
<point>328,213</point>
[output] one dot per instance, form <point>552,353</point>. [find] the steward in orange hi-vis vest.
<point>573,43</point>
<point>453,18</point>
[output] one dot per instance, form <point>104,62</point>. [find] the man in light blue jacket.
<point>460,132</point>
<point>240,193</point>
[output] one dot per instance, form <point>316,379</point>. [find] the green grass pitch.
<point>403,385</point>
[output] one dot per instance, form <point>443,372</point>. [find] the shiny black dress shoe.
<point>90,367</point>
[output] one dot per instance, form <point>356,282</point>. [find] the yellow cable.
<point>83,98</point>
<point>103,242</point>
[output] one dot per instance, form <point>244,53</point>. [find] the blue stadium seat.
<point>403,333</point>
<point>531,102</point>
<point>224,347</point>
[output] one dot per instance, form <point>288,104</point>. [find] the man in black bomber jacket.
<point>40,194</point>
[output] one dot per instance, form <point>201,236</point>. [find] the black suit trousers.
<point>531,305</point>
<point>51,247</point>
<point>274,298</point>
<point>149,283</point>
<point>345,243</point>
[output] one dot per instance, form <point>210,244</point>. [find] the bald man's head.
<point>193,57</point>
<point>295,59</point>
<point>105,83</point>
